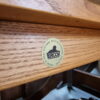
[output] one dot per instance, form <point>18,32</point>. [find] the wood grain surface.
<point>82,78</point>
<point>81,13</point>
<point>21,50</point>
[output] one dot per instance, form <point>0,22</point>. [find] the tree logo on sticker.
<point>52,52</point>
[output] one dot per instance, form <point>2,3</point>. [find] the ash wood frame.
<point>21,47</point>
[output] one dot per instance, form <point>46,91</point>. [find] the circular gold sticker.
<point>52,52</point>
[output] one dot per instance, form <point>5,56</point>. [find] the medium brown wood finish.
<point>82,78</point>
<point>21,50</point>
<point>80,13</point>
<point>12,93</point>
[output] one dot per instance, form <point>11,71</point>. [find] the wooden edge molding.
<point>17,13</point>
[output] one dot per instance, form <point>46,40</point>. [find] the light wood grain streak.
<point>21,50</point>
